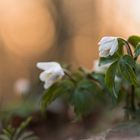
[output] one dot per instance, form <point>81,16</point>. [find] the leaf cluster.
<point>20,133</point>
<point>84,92</point>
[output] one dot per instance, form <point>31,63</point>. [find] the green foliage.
<point>11,133</point>
<point>134,40</point>
<point>83,89</point>
<point>22,109</point>
<point>110,77</point>
<point>109,59</point>
<point>60,88</point>
<point>99,77</point>
<point>137,51</point>
<point>127,69</point>
<point>84,97</point>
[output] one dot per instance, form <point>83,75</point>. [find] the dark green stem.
<point>129,51</point>
<point>67,73</point>
<point>92,78</point>
<point>132,87</point>
<point>132,100</point>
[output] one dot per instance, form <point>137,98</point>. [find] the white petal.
<point>58,71</point>
<point>62,73</point>
<point>100,68</point>
<point>43,75</point>
<point>114,48</point>
<point>104,53</point>
<point>55,76</point>
<point>106,39</point>
<point>48,84</point>
<point>105,46</point>
<point>52,73</point>
<point>108,46</point>
<point>51,80</point>
<point>47,65</point>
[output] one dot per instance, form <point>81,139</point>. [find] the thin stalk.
<point>128,48</point>
<point>132,100</point>
<point>129,51</point>
<point>127,107</point>
<point>68,74</point>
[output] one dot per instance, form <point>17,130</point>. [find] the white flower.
<point>51,74</point>
<point>100,68</point>
<point>57,106</point>
<point>22,86</point>
<point>108,45</point>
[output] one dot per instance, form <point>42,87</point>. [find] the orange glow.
<point>26,26</point>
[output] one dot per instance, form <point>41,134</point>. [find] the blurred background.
<point>66,31</point>
<point>62,30</point>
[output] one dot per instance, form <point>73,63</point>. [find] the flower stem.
<point>128,48</point>
<point>68,74</point>
<point>132,100</point>
<point>93,79</point>
<point>129,51</point>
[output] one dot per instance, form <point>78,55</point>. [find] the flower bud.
<point>108,46</point>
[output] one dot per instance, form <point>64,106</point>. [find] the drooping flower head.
<point>52,72</point>
<point>108,45</point>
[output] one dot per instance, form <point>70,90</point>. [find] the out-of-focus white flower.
<point>22,86</point>
<point>52,73</point>
<point>57,106</point>
<point>100,68</point>
<point>108,45</point>
<point>117,79</point>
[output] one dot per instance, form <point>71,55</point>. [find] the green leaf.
<point>4,137</point>
<point>137,50</point>
<point>98,77</point>
<point>58,89</point>
<point>8,132</point>
<point>21,128</point>
<point>77,76</point>
<point>83,97</point>
<point>109,59</point>
<point>127,59</point>
<point>82,102</point>
<point>126,68</point>
<point>28,136</point>
<point>134,40</point>
<point>110,77</point>
<point>121,95</point>
<point>120,50</point>
<point>19,133</point>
